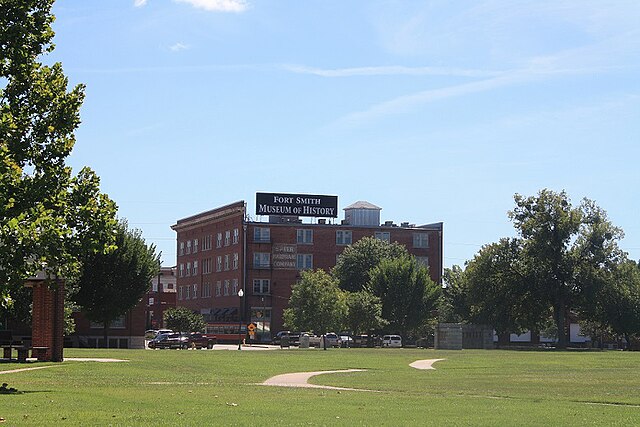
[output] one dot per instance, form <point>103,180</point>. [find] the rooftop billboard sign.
<point>296,205</point>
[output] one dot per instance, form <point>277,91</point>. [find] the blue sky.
<point>432,110</point>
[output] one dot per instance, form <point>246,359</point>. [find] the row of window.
<point>223,263</point>
<point>343,237</point>
<point>222,288</point>
<point>191,246</point>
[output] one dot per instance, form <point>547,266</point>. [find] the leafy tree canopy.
<point>316,304</point>
<point>358,260</point>
<point>182,319</point>
<point>409,296</point>
<point>112,283</point>
<point>364,312</point>
<point>48,216</point>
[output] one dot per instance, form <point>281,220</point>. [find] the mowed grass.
<point>470,387</point>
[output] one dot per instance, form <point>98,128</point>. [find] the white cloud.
<point>178,47</point>
<point>218,5</point>
<point>390,70</point>
<point>139,3</point>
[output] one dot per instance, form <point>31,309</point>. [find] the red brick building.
<point>161,297</point>
<point>221,251</point>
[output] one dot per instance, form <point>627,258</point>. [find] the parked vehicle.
<point>332,340</point>
<point>199,340</point>
<point>169,341</point>
<point>362,341</point>
<point>346,341</point>
<point>392,341</point>
<point>314,340</point>
<point>292,338</point>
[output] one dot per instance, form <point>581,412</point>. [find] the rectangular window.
<point>226,288</point>
<point>181,270</point>
<point>206,290</point>
<point>261,234</point>
<point>219,263</point>
<point>195,246</point>
<point>226,263</point>
<point>343,237</point>
<point>304,261</point>
<point>188,246</point>
<point>236,259</point>
<point>188,272</point>
<point>151,300</point>
<point>181,248</point>
<point>261,286</point>
<point>194,292</point>
<point>218,288</point>
<point>206,266</point>
<point>261,260</point>
<point>420,240</point>
<point>305,237</point>
<point>195,268</point>
<point>234,287</point>
<point>187,291</point>
<point>424,260</point>
<point>383,235</point>
<point>180,292</point>
<point>206,243</point>
<point>227,238</point>
<point>219,240</point>
<point>236,236</point>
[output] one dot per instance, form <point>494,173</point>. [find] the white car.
<point>392,341</point>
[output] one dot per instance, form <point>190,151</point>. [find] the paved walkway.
<point>300,379</point>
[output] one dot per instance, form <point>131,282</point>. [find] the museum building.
<point>223,251</point>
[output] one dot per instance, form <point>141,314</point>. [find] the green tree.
<point>364,312</point>
<point>182,319</point>
<point>358,260</point>
<point>498,290</point>
<point>112,283</point>
<point>561,244</point>
<point>48,217</point>
<point>454,305</point>
<point>316,304</point>
<point>409,296</point>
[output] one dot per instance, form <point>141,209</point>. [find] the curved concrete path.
<point>299,379</point>
<point>424,364</point>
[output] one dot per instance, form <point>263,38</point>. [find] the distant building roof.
<point>362,205</point>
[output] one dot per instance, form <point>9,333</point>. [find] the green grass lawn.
<point>470,387</point>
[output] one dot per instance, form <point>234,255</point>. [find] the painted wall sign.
<point>296,205</point>
<point>284,256</point>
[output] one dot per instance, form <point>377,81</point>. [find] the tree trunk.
<point>560,317</point>
<point>105,333</point>
<point>504,338</point>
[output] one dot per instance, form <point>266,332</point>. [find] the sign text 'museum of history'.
<point>296,205</point>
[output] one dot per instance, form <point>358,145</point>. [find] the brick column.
<point>47,328</point>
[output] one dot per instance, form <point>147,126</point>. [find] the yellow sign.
<point>251,327</point>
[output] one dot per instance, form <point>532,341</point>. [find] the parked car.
<point>346,341</point>
<point>292,337</point>
<point>332,339</point>
<point>392,341</point>
<point>169,341</point>
<point>363,341</point>
<point>199,340</point>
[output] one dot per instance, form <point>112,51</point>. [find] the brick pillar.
<point>47,328</point>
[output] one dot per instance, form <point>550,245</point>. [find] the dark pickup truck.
<point>198,340</point>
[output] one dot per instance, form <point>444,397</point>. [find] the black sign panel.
<point>296,205</point>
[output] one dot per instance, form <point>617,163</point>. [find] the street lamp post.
<point>240,294</point>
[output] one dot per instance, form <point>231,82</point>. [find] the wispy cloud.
<point>139,3</point>
<point>178,47</point>
<point>218,5</point>
<point>389,70</point>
